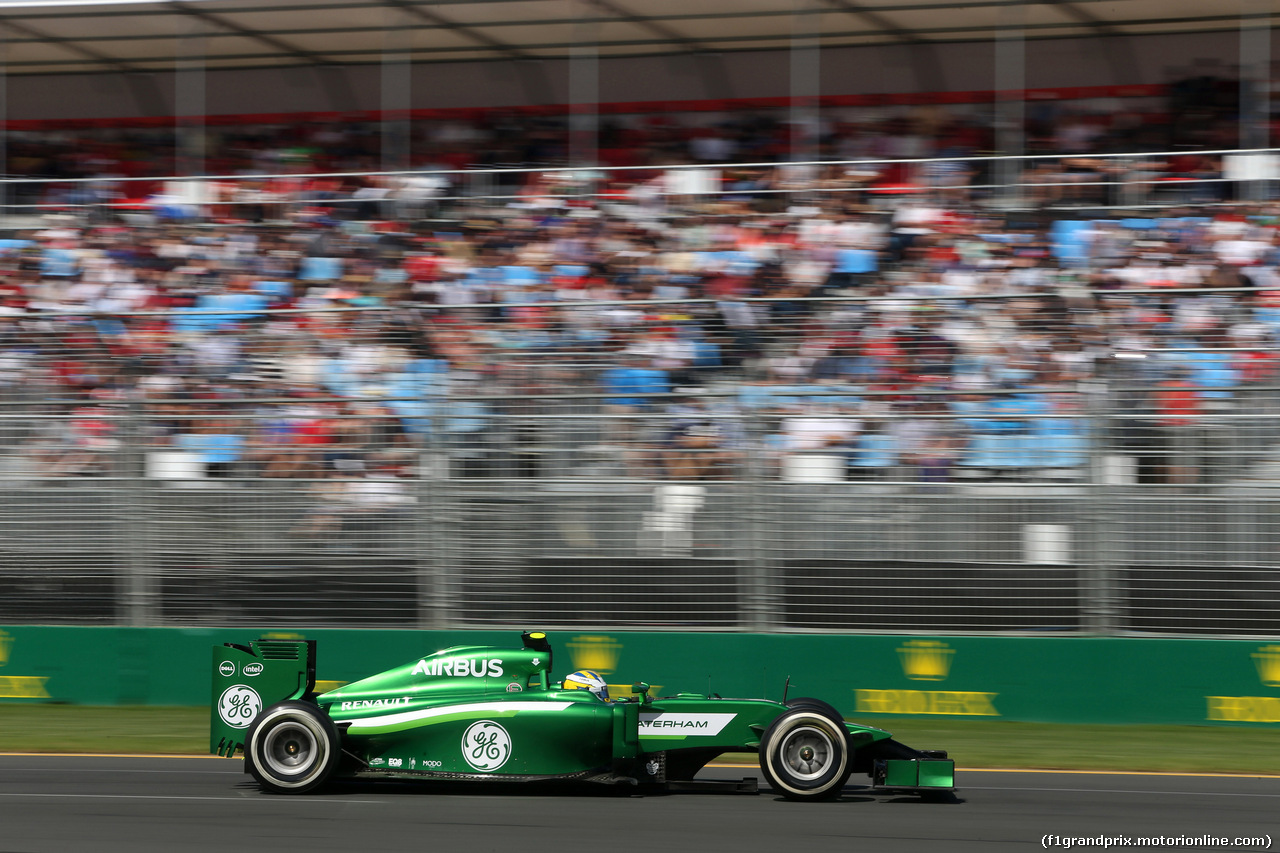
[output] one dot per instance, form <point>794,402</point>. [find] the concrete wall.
<point>1032,679</point>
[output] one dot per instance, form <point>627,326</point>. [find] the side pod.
<point>247,679</point>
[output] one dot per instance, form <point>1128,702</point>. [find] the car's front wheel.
<point>815,705</point>
<point>292,747</point>
<point>804,755</point>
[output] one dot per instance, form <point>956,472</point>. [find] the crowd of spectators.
<point>922,334</point>
<point>1196,114</point>
<point>916,338</point>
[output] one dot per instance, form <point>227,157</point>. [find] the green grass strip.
<point>972,743</point>
<point>117,730</point>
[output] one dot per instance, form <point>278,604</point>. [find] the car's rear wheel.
<point>292,748</point>
<point>804,755</point>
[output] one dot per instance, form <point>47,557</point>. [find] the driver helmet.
<point>586,679</point>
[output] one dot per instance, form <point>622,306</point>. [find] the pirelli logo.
<point>23,687</point>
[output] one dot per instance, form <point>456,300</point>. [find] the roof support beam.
<point>1010,64</point>
<point>69,44</point>
<point>1255,67</point>
<point>396,89</point>
<point>806,83</point>
<point>190,100</point>
<point>584,92</point>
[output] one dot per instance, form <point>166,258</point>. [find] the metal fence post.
<point>140,598</point>
<point>760,605</point>
<point>432,544</point>
<point>1098,593</point>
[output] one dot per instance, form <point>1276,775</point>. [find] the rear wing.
<point>247,679</point>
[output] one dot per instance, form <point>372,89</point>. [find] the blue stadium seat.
<point>1000,451</point>
<point>874,450</point>
<point>321,269</point>
<point>1059,443</point>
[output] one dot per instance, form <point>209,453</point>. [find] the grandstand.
<point>453,314</point>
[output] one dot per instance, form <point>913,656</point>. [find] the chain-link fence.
<point>849,463</point>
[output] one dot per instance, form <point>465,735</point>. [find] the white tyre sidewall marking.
<point>773,757</point>
<point>305,721</point>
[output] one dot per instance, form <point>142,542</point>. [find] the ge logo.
<point>238,705</point>
<point>486,745</point>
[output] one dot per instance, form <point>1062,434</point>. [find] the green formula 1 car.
<point>494,714</point>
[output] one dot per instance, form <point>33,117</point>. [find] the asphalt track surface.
<point>54,804</point>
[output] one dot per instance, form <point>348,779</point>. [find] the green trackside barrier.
<point>1030,679</point>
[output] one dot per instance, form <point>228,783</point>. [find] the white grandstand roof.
<point>90,36</point>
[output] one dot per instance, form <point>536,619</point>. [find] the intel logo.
<point>227,668</point>
<point>252,669</point>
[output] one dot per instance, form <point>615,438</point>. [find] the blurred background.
<point>800,315</point>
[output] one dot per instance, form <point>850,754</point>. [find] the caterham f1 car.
<point>494,714</point>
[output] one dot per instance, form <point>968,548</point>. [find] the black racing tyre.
<point>815,705</point>
<point>804,755</point>
<point>292,747</point>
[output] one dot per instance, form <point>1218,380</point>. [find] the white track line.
<point>248,799</point>
<point>1118,791</point>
